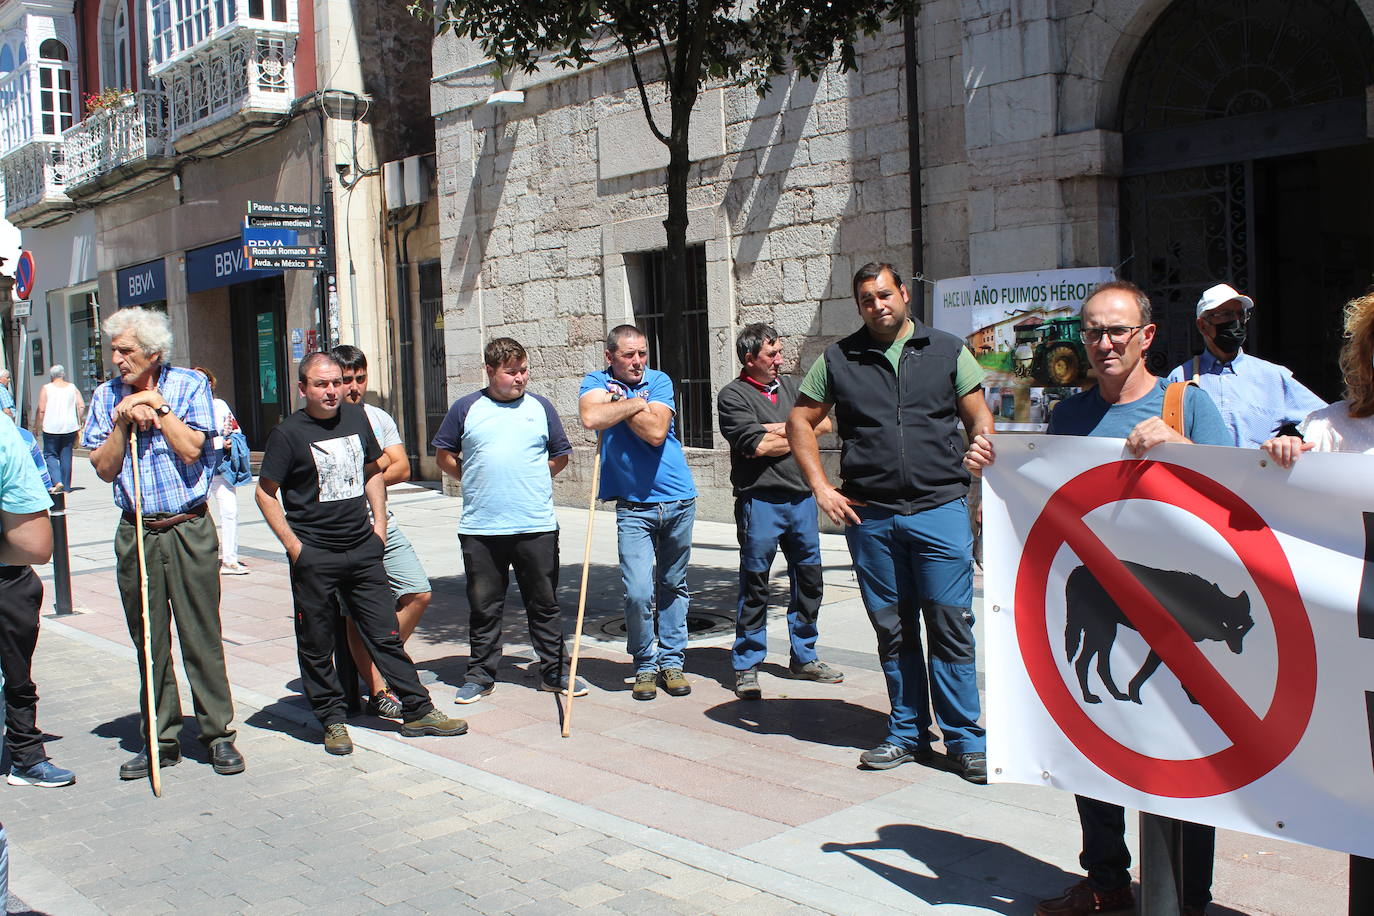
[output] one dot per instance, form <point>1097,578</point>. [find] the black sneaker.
<point>888,755</point>
<point>580,690</point>
<point>384,704</point>
<point>747,684</point>
<point>974,767</point>
<point>136,767</point>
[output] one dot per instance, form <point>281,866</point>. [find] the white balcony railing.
<point>34,175</point>
<point>133,131</point>
<point>244,69</point>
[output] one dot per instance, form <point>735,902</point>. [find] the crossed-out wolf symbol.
<point>1199,606</point>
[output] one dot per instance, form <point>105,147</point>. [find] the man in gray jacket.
<point>773,505</point>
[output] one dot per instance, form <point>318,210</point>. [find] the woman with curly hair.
<point>1348,425</point>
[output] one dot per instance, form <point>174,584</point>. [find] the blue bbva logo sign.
<point>223,263</point>
<point>142,283</point>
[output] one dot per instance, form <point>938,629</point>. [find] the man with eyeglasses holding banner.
<point>1125,404</point>
<point>1256,398</point>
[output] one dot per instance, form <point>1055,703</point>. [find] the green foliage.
<point>734,42</point>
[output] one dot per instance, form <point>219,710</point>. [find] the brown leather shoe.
<point>1083,899</point>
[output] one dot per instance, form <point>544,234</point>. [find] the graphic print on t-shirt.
<point>339,464</point>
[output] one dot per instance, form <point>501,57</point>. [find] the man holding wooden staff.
<point>171,407</point>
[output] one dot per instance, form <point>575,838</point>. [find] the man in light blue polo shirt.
<point>1256,397</point>
<point>506,445</point>
<point>643,469</point>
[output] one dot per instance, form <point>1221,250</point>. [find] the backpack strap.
<point>1172,413</point>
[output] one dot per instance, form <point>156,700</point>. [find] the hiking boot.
<point>384,704</point>
<point>136,767</point>
<point>433,723</point>
<point>226,759</point>
<point>974,767</point>
<point>888,755</point>
<point>336,740</point>
<point>747,684</point>
<point>675,682</point>
<point>1083,899</point>
<point>471,693</point>
<point>562,687</point>
<point>44,774</point>
<point>646,685</point>
<point>816,670</point>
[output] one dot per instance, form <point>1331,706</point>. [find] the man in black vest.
<point>900,390</point>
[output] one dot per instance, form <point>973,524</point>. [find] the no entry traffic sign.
<point>24,275</point>
<point>1258,743</point>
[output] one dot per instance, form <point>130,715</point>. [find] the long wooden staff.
<point>582,591</point>
<point>149,702</point>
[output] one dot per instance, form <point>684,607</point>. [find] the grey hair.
<point>151,328</point>
<point>57,371</point>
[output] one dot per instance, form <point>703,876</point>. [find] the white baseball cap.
<point>1220,295</point>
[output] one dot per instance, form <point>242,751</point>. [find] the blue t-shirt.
<point>21,489</point>
<point>631,468</point>
<point>1086,414</point>
<point>505,447</point>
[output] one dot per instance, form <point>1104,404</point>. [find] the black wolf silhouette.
<point>1199,606</point>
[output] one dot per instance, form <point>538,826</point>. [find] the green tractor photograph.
<point>1051,353</point>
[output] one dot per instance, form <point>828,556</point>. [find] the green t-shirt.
<point>968,375</point>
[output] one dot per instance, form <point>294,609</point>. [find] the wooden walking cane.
<point>149,702</point>
<point>582,591</point>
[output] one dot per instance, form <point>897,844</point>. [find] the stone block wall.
<point>544,204</point>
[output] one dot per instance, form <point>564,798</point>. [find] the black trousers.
<point>487,562</point>
<point>1107,860</point>
<point>21,596</point>
<point>357,578</point>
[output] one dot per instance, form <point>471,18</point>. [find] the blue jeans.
<point>762,522</point>
<point>57,453</point>
<point>909,567</point>
<point>655,541</point>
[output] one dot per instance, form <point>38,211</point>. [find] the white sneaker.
<point>234,569</point>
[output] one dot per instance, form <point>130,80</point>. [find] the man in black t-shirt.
<point>323,461</point>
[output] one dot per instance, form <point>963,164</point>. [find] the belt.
<point>163,522</point>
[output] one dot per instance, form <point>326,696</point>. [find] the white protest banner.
<point>1023,328</point>
<point>1179,634</point>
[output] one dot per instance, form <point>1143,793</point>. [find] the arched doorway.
<point>1246,160</point>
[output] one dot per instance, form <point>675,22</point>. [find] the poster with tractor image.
<point>1024,330</point>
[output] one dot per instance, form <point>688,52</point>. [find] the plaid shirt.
<point>169,484</point>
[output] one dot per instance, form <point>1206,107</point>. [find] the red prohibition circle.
<point>1258,744</point>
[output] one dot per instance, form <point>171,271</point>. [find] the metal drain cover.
<point>700,625</point>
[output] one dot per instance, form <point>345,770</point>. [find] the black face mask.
<point>1230,336</point>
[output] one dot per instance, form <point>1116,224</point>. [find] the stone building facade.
<point>1182,142</point>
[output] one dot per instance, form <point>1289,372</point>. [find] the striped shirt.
<point>169,484</point>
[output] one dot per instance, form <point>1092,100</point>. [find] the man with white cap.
<point>1256,398</point>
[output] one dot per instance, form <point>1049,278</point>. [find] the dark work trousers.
<point>763,521</point>
<point>183,583</point>
<point>1107,860</point>
<point>487,562</point>
<point>358,578</point>
<point>21,596</point>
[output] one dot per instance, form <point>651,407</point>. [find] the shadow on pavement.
<point>834,722</point>
<point>939,850</point>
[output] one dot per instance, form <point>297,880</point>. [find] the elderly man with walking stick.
<point>168,411</point>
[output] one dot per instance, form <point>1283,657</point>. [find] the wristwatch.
<point>163,410</point>
<point>617,396</point>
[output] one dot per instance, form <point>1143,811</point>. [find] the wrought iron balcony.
<point>34,184</point>
<point>129,134</point>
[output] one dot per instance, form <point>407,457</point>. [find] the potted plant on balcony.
<point>109,99</point>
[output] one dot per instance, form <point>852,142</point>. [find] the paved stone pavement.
<point>700,804</point>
